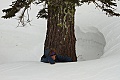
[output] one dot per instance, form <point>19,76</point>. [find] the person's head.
<point>53,54</point>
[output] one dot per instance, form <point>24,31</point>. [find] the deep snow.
<point>90,43</point>
<point>21,48</point>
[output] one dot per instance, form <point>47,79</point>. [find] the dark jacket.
<point>47,59</point>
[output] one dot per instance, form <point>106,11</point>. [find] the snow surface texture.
<point>26,47</point>
<point>18,46</point>
<point>90,43</point>
<point>26,44</point>
<point>105,68</point>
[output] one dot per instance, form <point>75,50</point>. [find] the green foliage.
<point>39,1</point>
<point>16,6</point>
<point>107,6</point>
<point>42,13</point>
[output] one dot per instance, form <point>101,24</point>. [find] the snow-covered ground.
<point>22,47</point>
<point>90,43</point>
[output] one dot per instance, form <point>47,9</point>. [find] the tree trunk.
<point>60,28</point>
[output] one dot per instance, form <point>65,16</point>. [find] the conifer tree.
<point>60,20</point>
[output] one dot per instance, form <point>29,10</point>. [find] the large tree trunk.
<point>60,28</point>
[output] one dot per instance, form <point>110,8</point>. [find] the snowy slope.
<point>90,43</point>
<point>21,48</point>
<point>105,68</point>
<point>18,46</point>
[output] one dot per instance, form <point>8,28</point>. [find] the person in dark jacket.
<point>51,57</point>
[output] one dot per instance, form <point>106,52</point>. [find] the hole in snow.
<point>90,43</point>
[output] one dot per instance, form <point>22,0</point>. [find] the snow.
<point>21,49</point>
<point>90,43</point>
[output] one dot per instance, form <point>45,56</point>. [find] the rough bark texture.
<point>60,28</point>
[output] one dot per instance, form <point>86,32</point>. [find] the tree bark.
<point>60,28</point>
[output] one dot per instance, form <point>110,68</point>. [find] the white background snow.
<point>22,47</point>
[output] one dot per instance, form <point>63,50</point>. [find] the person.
<point>51,57</point>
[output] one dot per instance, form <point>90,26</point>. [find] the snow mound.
<point>19,46</point>
<point>112,36</point>
<point>90,43</point>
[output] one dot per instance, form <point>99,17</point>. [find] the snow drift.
<point>90,43</point>
<point>19,46</point>
<point>105,68</point>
